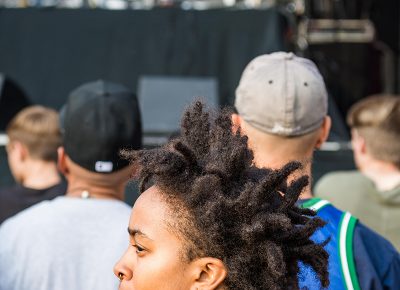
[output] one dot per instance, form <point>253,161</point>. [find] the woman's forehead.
<point>149,214</point>
<point>157,216</point>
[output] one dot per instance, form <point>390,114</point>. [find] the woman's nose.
<point>122,270</point>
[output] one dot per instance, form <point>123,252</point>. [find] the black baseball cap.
<point>99,120</point>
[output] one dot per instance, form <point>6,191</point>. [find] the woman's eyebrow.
<point>135,232</point>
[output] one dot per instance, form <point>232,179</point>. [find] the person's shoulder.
<point>5,190</point>
<point>379,249</point>
<point>340,175</point>
<point>335,181</point>
<point>375,257</point>
<point>18,191</point>
<point>60,188</point>
<point>369,235</point>
<point>27,217</point>
<point>7,196</point>
<point>10,192</point>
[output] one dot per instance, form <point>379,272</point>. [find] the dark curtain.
<point>50,52</point>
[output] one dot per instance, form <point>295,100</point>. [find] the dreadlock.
<point>243,215</point>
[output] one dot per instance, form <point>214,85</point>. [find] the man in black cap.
<point>73,241</point>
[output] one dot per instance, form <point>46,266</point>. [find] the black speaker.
<point>12,100</point>
<point>164,98</point>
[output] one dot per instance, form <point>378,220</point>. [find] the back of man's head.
<point>99,120</point>
<point>377,120</point>
<point>282,94</point>
<point>283,98</point>
<point>37,128</point>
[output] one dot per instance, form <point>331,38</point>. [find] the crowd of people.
<point>226,204</point>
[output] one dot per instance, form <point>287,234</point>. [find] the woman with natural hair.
<point>208,218</point>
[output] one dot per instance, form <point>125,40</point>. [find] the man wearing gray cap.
<point>282,106</point>
<point>73,241</point>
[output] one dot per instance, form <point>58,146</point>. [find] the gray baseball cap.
<point>282,94</point>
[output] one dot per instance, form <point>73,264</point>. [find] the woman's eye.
<point>139,249</point>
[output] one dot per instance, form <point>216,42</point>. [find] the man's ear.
<point>20,150</point>
<point>209,274</point>
<point>61,161</point>
<point>324,132</point>
<point>358,142</point>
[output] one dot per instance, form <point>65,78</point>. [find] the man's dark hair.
<point>232,210</point>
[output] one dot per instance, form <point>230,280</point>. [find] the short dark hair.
<point>244,215</point>
<point>377,118</point>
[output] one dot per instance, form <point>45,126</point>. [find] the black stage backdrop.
<point>50,52</point>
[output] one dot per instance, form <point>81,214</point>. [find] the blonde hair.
<point>37,127</point>
<point>377,120</point>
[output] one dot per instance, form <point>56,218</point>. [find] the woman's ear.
<point>209,274</point>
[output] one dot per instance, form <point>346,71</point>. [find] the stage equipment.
<point>163,99</point>
<point>12,100</point>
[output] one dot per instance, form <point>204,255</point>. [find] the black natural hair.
<point>244,215</point>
